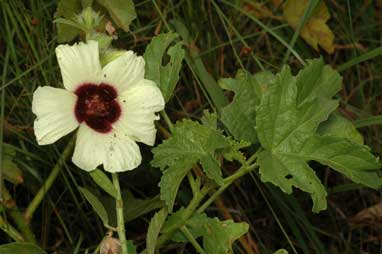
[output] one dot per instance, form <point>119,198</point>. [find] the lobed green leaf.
<point>190,144</point>
<point>240,115</point>
<point>220,235</point>
<point>290,112</point>
<point>165,76</point>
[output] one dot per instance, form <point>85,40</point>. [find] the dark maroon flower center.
<point>96,105</point>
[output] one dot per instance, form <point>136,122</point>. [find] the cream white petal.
<point>124,71</point>
<point>115,150</point>
<point>54,109</point>
<point>122,153</point>
<point>139,105</point>
<point>90,149</point>
<point>79,64</point>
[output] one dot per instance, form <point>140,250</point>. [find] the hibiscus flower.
<point>113,108</point>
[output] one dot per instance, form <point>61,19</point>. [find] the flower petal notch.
<point>113,107</point>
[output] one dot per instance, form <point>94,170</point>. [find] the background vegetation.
<point>222,37</point>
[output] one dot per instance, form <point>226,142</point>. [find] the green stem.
<point>18,218</point>
<point>119,210</point>
<point>227,182</point>
<point>189,211</point>
<point>192,240</point>
<point>191,180</point>
<point>198,197</point>
<point>49,181</point>
<point>167,119</point>
<point>10,230</point>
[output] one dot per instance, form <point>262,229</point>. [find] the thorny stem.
<point>119,210</point>
<point>49,181</point>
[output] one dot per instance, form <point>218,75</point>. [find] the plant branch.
<point>10,230</point>
<point>119,210</point>
<point>18,218</point>
<point>227,182</point>
<point>198,197</point>
<point>49,181</point>
<point>192,240</point>
<point>189,211</point>
<point>167,119</point>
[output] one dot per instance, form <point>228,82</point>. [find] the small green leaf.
<point>121,11</point>
<point>21,248</point>
<point>131,248</point>
<point>96,204</point>
<point>233,152</point>
<point>11,172</point>
<point>172,178</point>
<point>196,225</point>
<point>67,9</point>
<point>339,126</point>
<point>103,40</point>
<point>104,182</point>
<point>136,207</point>
<point>155,227</point>
<point>173,220</point>
<point>220,235</point>
<point>210,120</point>
<point>191,143</point>
<point>132,207</point>
<point>110,55</point>
<point>166,76</point>
<point>240,116</point>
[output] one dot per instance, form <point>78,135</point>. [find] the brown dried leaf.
<point>259,10</point>
<point>371,216</point>
<point>315,31</point>
<point>276,3</point>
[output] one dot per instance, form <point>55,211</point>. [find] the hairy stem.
<point>119,210</point>
<point>49,181</point>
